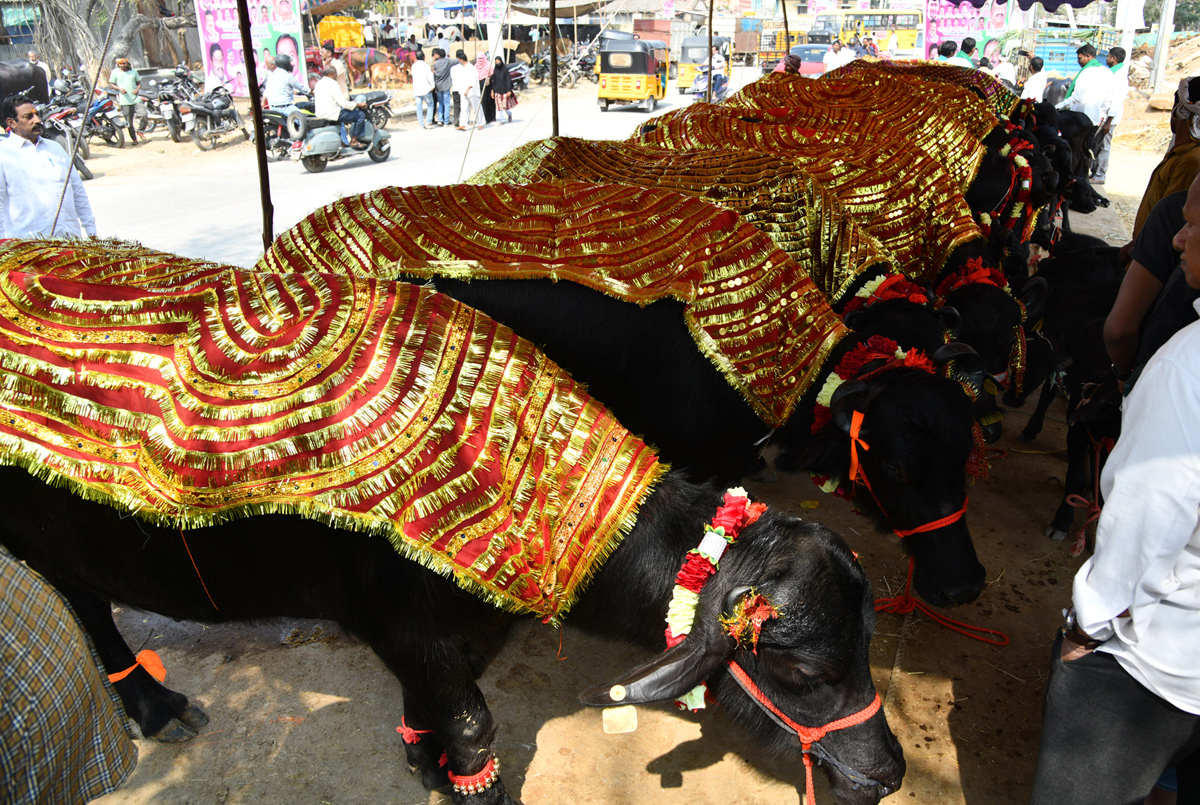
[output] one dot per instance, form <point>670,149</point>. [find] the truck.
<point>773,43</point>
<point>746,39</point>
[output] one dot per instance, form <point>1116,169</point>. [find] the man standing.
<point>1035,85</point>
<point>1181,164</point>
<point>282,86</point>
<point>422,86</point>
<point>966,53</point>
<point>836,56</point>
<point>1116,106</point>
<point>893,43</point>
<point>441,87</point>
<point>36,61</point>
<point>32,171</point>
<point>332,104</point>
<point>125,80</point>
<point>1123,699</point>
<point>465,83</point>
<point>329,60</point>
<point>1091,90</point>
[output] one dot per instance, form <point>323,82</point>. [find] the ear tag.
<point>620,719</point>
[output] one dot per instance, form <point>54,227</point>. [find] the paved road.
<point>207,204</point>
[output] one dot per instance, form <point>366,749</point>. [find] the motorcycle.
<point>519,73</point>
<point>700,85</point>
<point>209,115</point>
<point>57,128</point>
<point>539,68</point>
<point>170,94</point>
<point>379,107</point>
<point>317,142</point>
<point>104,120</point>
<point>278,142</point>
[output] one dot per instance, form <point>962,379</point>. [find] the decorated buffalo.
<point>377,454</point>
<point>709,347</point>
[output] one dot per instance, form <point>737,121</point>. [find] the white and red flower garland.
<point>884,288</point>
<point>734,515</point>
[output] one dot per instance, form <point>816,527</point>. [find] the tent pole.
<point>708,88</point>
<point>264,181</point>
<point>554,68</point>
<point>787,32</point>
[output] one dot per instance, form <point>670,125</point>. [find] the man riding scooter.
<point>281,86</point>
<point>332,104</point>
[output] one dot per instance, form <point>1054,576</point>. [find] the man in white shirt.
<point>423,84</point>
<point>1006,71</point>
<point>1035,85</point>
<point>32,172</point>
<point>36,61</point>
<point>893,43</point>
<point>1123,698</point>
<point>333,105</point>
<point>464,82</point>
<point>837,56</point>
<point>282,86</point>
<point>1116,107</point>
<point>329,60</point>
<point>1090,91</point>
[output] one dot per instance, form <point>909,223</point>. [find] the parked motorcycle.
<point>170,94</point>
<point>57,128</point>
<point>208,116</point>
<point>519,73</point>
<point>539,68</point>
<point>104,120</point>
<point>379,107</point>
<point>319,142</point>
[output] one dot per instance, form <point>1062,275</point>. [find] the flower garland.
<point>1023,181</point>
<point>735,514</point>
<point>974,272</point>
<point>885,288</point>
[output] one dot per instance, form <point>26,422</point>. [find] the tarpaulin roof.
<point>541,8</point>
<point>1049,5</point>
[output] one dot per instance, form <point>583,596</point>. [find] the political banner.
<point>275,29</point>
<point>946,20</point>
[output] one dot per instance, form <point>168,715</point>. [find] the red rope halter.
<point>807,735</point>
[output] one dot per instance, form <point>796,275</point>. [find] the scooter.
<point>276,139</point>
<point>700,85</point>
<point>317,142</point>
<point>519,73</point>
<point>210,115</point>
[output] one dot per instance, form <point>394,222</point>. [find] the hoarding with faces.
<point>275,29</point>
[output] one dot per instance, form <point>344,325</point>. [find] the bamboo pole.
<point>553,68</point>
<point>264,181</point>
<point>787,32</point>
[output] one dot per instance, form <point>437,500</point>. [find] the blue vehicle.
<point>319,142</point>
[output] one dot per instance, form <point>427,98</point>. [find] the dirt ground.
<point>304,713</point>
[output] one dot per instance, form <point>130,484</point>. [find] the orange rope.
<point>904,603</point>
<point>1092,507</point>
<point>146,659</point>
<point>202,584</point>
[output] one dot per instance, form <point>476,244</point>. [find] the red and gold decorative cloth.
<point>751,310</point>
<point>804,218</point>
<point>945,121</point>
<point>999,97</point>
<point>925,142</point>
<point>191,396</point>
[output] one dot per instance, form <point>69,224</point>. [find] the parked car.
<point>811,59</point>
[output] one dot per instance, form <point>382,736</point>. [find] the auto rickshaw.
<point>693,52</point>
<point>633,71</point>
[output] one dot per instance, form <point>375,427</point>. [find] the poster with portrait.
<point>274,28</point>
<point>947,20</point>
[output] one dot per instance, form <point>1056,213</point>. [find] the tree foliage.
<point>1187,14</point>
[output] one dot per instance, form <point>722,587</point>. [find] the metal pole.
<point>553,68</point>
<point>1166,24</point>
<point>708,89</point>
<point>264,181</point>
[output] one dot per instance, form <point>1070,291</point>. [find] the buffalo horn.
<point>951,319</point>
<point>970,365</point>
<point>668,676</point>
<point>847,396</point>
<point>731,599</point>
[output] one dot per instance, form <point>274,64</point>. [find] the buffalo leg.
<point>424,751</point>
<point>1037,420</point>
<point>1078,461</point>
<point>161,713</point>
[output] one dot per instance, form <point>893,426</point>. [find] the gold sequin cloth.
<point>942,115</point>
<point>751,310</point>
<point>803,217</point>
<point>190,395</point>
<point>1000,98</point>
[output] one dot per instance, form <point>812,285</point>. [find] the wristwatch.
<point>1070,628</point>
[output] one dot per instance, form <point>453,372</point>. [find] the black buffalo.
<point>644,365</point>
<point>18,76</point>
<point>811,660</point>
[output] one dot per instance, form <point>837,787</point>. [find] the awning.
<point>453,4</point>
<point>1049,5</point>
<point>566,10</point>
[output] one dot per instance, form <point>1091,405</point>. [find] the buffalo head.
<point>810,662</point>
<point>918,428</point>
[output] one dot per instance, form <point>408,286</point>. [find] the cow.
<point>810,660</point>
<point>360,60</point>
<point>20,75</point>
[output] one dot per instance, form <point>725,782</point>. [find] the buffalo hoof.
<point>1056,534</point>
<point>992,431</point>
<point>175,732</point>
<point>1025,438</point>
<point>194,717</point>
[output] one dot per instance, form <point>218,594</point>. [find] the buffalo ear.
<point>667,676</point>
<point>845,400</point>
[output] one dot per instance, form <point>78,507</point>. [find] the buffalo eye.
<point>894,470</point>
